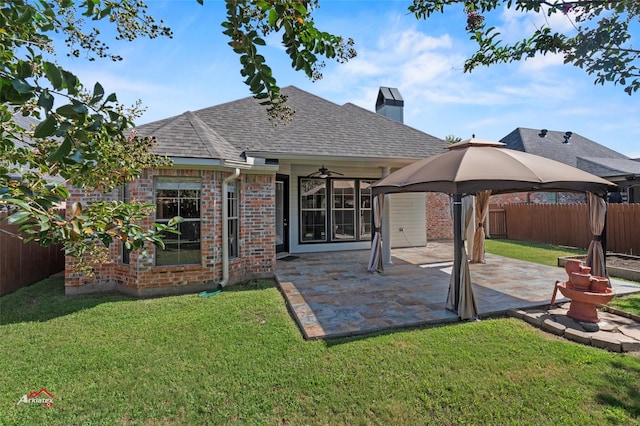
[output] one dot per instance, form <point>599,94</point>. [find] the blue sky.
<point>422,58</point>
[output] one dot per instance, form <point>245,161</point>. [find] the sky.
<point>422,58</point>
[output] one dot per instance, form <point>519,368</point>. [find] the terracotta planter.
<point>599,284</point>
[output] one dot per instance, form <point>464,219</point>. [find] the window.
<point>343,211</point>
<point>232,217</point>
<point>313,205</point>
<point>365,209</point>
<point>347,216</point>
<point>179,197</point>
<point>124,197</point>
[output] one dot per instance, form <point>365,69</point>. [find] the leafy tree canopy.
<point>600,42</point>
<point>82,136</point>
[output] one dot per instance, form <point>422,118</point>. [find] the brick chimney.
<point>390,104</point>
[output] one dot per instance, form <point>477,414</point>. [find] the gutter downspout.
<point>225,226</point>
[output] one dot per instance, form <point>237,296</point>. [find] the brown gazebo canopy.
<point>473,166</point>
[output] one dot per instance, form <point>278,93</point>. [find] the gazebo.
<point>480,167</point>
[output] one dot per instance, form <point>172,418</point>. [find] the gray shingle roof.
<point>319,127</point>
<point>580,152</point>
<point>29,123</point>
<point>609,166</point>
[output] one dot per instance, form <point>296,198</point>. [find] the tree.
<point>84,136</point>
<point>451,139</point>
<point>601,42</point>
<point>248,21</point>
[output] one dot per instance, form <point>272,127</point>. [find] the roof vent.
<point>390,104</point>
<point>567,136</point>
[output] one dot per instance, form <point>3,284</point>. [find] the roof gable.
<point>551,145</point>
<point>319,127</point>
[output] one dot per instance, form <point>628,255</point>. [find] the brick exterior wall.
<point>439,223</point>
<point>141,277</point>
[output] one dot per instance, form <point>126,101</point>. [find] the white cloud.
<point>515,25</point>
<point>539,63</point>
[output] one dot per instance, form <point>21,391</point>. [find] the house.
<point>250,191</point>
<point>577,151</point>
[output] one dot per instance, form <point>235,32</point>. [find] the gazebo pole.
<point>457,241</point>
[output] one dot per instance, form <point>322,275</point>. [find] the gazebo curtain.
<point>461,299</point>
<point>597,217</point>
<point>482,207</point>
<point>375,259</point>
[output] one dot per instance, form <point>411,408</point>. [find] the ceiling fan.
<point>324,173</point>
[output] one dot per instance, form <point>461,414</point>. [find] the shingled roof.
<point>579,152</point>
<point>319,127</point>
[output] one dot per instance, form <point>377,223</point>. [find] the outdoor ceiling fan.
<point>324,173</point>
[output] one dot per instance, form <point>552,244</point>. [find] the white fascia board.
<point>217,164</point>
<point>374,161</point>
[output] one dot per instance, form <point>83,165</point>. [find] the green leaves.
<point>81,136</point>
<point>63,150</point>
<point>53,74</point>
<point>46,128</point>
<point>601,45</point>
<point>303,42</point>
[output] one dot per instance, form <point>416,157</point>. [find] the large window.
<point>347,217</point>
<point>179,197</point>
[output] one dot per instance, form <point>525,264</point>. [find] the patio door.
<point>282,213</point>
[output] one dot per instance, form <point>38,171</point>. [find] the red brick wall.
<point>141,276</point>
<point>258,232</point>
<point>439,223</point>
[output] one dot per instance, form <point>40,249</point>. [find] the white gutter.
<point>225,227</point>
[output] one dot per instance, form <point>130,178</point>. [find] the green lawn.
<point>545,254</point>
<point>238,358</point>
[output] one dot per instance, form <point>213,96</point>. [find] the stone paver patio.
<point>332,294</point>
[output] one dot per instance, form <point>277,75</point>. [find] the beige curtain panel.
<point>482,208</point>
<point>597,217</point>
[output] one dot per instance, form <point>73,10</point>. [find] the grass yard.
<point>238,358</point>
<point>545,254</point>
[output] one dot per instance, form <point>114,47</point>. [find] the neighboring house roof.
<point>319,127</point>
<point>29,123</point>
<point>579,152</point>
<point>609,166</point>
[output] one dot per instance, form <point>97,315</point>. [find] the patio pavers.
<point>331,294</point>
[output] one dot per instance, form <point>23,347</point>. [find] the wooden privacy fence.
<point>24,264</point>
<point>498,222</point>
<point>566,224</point>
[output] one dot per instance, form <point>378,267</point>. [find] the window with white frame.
<point>233,209</point>
<point>313,210</point>
<point>347,217</point>
<point>179,197</point>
